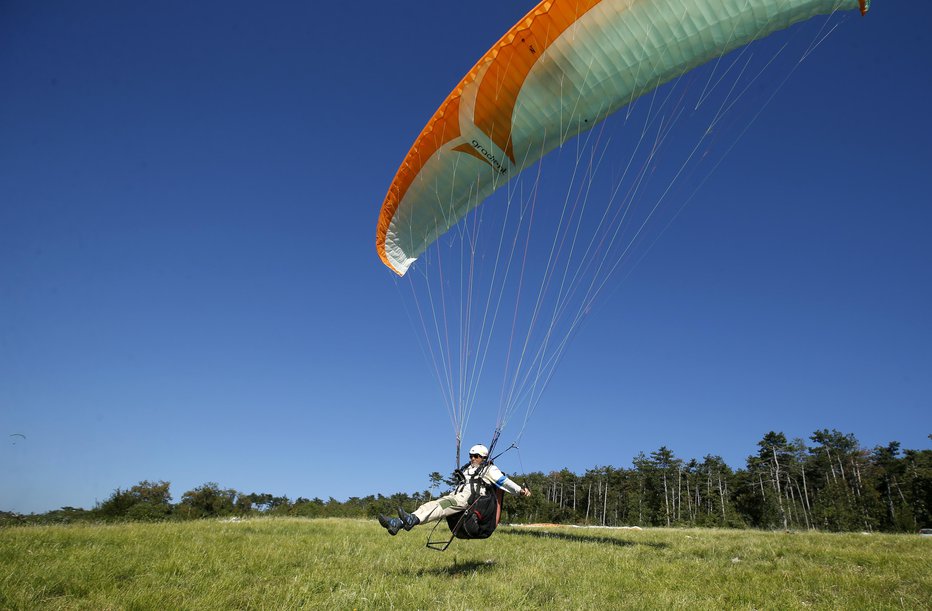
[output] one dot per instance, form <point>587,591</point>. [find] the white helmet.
<point>479,449</point>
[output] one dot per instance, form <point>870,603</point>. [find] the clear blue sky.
<point>189,289</point>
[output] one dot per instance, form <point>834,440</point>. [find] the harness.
<point>480,518</point>
<point>475,482</point>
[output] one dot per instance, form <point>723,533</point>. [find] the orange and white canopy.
<point>567,65</point>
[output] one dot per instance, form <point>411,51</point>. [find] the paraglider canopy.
<point>563,68</point>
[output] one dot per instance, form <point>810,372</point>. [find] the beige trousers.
<point>431,511</point>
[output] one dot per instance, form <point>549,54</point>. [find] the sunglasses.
<point>475,455</point>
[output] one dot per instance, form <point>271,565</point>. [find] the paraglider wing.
<point>567,65</point>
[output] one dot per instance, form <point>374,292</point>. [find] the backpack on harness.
<point>479,520</point>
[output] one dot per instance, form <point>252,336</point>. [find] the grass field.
<point>354,564</point>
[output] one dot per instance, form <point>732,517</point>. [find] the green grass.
<point>354,564</point>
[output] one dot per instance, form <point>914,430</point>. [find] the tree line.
<point>828,483</point>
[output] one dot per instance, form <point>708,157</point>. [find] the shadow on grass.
<point>458,569</point>
<point>579,538</point>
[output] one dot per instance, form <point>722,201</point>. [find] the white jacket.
<point>493,476</point>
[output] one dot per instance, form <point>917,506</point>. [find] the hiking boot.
<point>392,525</point>
<point>408,520</point>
